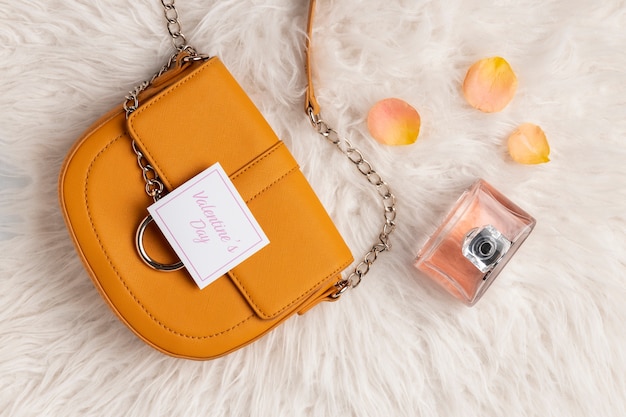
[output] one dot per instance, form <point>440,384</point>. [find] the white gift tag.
<point>208,225</point>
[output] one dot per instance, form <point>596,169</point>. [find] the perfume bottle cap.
<point>484,247</point>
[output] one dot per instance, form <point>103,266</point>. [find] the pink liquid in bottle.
<point>477,238</point>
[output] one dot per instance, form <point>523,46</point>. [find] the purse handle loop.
<point>310,103</point>
<point>312,109</point>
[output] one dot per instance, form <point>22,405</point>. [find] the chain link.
<point>154,186</point>
<point>173,25</point>
<point>132,99</point>
<point>389,202</point>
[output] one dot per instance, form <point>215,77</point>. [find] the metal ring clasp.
<point>144,255</point>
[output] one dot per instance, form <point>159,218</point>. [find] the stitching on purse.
<point>141,109</point>
<point>267,154</point>
<point>117,272</point>
<point>335,272</point>
<point>243,287</point>
<point>273,183</point>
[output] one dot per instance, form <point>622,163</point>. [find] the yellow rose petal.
<point>529,145</point>
<point>490,84</point>
<point>394,122</point>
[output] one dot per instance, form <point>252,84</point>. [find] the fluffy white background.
<point>548,338</point>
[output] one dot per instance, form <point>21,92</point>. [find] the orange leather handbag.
<point>188,117</point>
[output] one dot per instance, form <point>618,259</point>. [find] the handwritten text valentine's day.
<point>218,226</point>
<point>209,225</point>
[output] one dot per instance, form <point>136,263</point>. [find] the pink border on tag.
<point>236,198</point>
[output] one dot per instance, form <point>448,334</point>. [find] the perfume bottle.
<point>477,238</point>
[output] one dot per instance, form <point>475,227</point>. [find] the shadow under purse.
<point>190,118</point>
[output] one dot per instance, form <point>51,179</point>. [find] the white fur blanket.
<point>547,339</point>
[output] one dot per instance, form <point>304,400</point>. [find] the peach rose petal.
<point>394,122</point>
<point>529,145</point>
<point>490,84</point>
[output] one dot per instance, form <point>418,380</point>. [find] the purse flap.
<point>206,118</point>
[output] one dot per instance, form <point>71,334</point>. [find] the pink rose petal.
<point>490,84</point>
<point>393,122</point>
